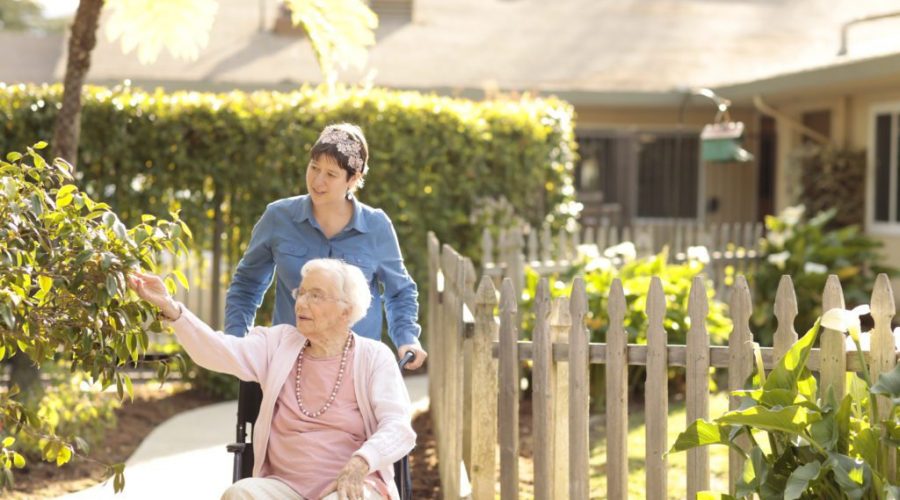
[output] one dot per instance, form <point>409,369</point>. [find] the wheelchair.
<point>249,401</point>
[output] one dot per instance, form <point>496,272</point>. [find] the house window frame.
<point>890,228</point>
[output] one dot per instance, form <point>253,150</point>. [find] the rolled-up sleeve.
<point>251,279</point>
<point>400,295</point>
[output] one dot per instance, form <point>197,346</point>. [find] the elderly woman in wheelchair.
<point>335,414</point>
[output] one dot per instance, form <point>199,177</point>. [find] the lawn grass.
<point>677,462</point>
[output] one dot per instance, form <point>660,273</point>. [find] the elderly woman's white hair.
<point>351,282</point>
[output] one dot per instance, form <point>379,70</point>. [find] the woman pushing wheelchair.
<point>335,414</point>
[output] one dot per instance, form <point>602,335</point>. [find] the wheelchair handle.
<point>409,356</point>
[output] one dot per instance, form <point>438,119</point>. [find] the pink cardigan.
<point>266,355</point>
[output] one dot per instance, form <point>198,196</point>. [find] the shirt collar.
<point>357,221</point>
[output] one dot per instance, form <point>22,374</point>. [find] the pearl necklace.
<point>337,385</point>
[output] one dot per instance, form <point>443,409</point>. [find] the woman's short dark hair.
<point>352,161</point>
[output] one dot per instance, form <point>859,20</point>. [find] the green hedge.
<point>432,158</point>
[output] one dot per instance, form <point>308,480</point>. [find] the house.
<point>627,66</point>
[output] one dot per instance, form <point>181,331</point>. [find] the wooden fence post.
<point>483,422</point>
<point>487,249</point>
<point>882,355</point>
<point>560,326</point>
<point>434,338</point>
<point>740,366</point>
<point>616,395</point>
<point>833,352</point>
<point>509,392</point>
<point>543,377</point>
<point>697,383</point>
<point>656,401</point>
<point>579,395</point>
<point>454,297</point>
<point>466,380</point>
<point>785,312</point>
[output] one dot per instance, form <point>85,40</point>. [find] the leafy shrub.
<point>831,178</point>
<point>63,296</point>
<point>817,447</point>
<point>619,262</point>
<point>73,411</point>
<point>808,251</point>
<point>600,271</point>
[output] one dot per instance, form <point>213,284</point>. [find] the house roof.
<point>587,51</point>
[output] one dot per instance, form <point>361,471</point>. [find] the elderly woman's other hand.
<point>152,289</point>
<point>416,349</point>
<point>350,483</point>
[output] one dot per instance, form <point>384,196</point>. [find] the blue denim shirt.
<point>287,236</point>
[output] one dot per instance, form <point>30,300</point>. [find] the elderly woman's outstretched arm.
<point>243,357</point>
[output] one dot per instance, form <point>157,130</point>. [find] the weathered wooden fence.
<point>733,246</point>
<point>474,377</point>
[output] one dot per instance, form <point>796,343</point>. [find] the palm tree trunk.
<point>82,40</point>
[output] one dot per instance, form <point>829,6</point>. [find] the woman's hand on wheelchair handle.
<point>420,355</point>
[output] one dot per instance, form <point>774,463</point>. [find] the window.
<point>668,166</point>
<point>644,174</point>
<point>885,167</point>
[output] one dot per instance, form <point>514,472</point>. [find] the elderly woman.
<point>335,414</point>
<point>328,221</point>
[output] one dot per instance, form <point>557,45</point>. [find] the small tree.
<point>63,296</point>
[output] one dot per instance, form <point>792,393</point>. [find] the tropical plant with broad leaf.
<point>808,447</point>
<point>63,297</point>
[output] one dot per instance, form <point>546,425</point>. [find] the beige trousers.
<point>263,488</point>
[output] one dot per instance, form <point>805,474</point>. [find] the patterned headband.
<point>346,144</point>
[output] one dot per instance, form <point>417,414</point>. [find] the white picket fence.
<point>474,380</point>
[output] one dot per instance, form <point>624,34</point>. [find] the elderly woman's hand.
<point>350,483</point>
<point>152,289</point>
<point>417,350</point>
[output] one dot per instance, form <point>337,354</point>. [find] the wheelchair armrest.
<point>236,447</point>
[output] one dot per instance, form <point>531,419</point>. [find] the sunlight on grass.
<point>718,455</point>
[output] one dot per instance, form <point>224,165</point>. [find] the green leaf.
<point>889,385</point>
<point>865,444</point>
<point>64,195</point>
<point>825,432</point>
<point>8,441</point>
<point>792,365</point>
<point>109,219</point>
<point>753,475</point>
<point>181,279</point>
<point>119,478</point>
<point>791,419</point>
<point>112,287</point>
<point>14,156</point>
<point>799,480</point>
<point>18,461</point>
<point>64,455</point>
<point>129,388</point>
<point>854,477</point>
<point>40,145</point>
<point>701,433</point>
<point>45,283</point>
<point>170,285</point>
